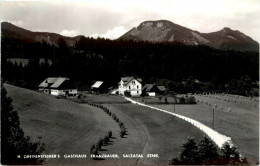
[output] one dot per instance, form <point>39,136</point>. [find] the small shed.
<point>99,87</point>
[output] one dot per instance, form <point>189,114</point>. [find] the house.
<point>153,90</point>
<point>99,87</point>
<point>130,84</point>
<point>58,86</point>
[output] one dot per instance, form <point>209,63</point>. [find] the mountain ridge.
<point>167,31</point>
<point>152,31</point>
<point>13,31</point>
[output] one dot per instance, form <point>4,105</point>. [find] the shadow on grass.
<point>113,137</point>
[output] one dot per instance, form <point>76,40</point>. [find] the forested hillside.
<point>174,65</point>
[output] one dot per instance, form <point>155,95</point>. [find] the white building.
<point>58,86</point>
<point>130,84</point>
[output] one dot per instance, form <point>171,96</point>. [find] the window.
<point>137,92</point>
<point>137,86</point>
<point>129,87</point>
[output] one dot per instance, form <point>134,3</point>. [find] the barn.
<point>153,90</point>
<point>58,86</point>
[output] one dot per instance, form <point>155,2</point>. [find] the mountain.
<point>10,31</point>
<point>166,31</point>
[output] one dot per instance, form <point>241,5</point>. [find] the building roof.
<point>161,88</point>
<point>126,80</point>
<point>148,87</point>
<point>58,82</point>
<point>97,84</point>
<point>53,82</point>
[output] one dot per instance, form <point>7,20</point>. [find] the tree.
<point>14,143</point>
<point>207,152</point>
<point>189,153</point>
<point>229,154</point>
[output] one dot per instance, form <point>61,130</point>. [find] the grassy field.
<point>164,133</point>
<point>71,128</point>
<point>64,126</point>
<point>102,99</point>
<point>238,120</point>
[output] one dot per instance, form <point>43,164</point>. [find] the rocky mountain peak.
<point>166,31</point>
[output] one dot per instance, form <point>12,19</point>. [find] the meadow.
<point>67,127</point>
<point>239,120</point>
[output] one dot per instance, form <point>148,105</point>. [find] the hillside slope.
<point>64,126</point>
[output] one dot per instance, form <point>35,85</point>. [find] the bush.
<point>92,149</point>
<point>95,152</point>
<point>165,100</point>
<point>106,139</point>
<point>122,128</point>
<point>99,144</point>
<point>122,133</point>
<point>110,133</point>
<point>182,100</point>
<point>121,124</point>
<point>191,100</point>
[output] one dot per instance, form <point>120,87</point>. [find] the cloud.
<point>115,33</point>
<point>17,23</point>
<point>95,35</point>
<point>70,33</point>
<point>112,18</point>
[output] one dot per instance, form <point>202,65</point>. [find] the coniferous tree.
<point>207,151</point>
<point>189,153</point>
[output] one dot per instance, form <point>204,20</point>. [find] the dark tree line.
<point>166,63</point>
<point>205,152</point>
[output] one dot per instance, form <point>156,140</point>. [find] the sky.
<point>112,18</point>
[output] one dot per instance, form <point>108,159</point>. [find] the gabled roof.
<point>161,88</point>
<point>126,80</point>
<point>58,82</point>
<point>148,87</point>
<point>53,82</point>
<point>97,84</point>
